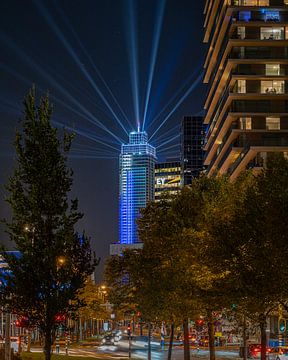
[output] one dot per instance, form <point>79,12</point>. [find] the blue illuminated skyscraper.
<point>137,165</point>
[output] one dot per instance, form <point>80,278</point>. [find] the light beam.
<point>187,93</point>
<point>43,10</point>
<point>156,38</point>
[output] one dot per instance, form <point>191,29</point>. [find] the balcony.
<point>257,2</point>
<point>249,2</point>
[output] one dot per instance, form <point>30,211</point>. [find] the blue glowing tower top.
<point>137,164</point>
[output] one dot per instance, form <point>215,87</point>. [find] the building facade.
<point>192,142</point>
<point>167,179</point>
<point>247,72</point>
<point>137,166</point>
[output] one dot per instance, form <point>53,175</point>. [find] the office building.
<point>192,142</point>
<point>136,187</point>
<point>246,70</point>
<point>167,179</point>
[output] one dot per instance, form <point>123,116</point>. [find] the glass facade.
<point>136,188</point>
<point>167,179</point>
<point>192,153</point>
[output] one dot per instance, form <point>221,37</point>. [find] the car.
<point>107,340</point>
<point>280,354</point>
<point>254,350</point>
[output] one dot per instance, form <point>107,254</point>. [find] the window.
<point>272,123</point>
<point>273,69</point>
<point>272,87</point>
<point>272,15</point>
<point>272,33</point>
<point>241,86</point>
<point>244,15</point>
<point>251,2</point>
<point>245,123</point>
<point>241,32</point>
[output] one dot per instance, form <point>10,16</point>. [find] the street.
<point>139,351</point>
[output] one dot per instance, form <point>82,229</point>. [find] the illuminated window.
<point>272,123</point>
<point>273,69</point>
<point>272,33</point>
<point>272,15</point>
<point>245,123</point>
<point>272,87</point>
<point>241,86</point>
<point>241,32</point>
<point>251,2</point>
<point>244,15</point>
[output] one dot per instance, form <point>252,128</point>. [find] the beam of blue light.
<point>167,148</point>
<point>168,141</point>
<point>92,157</point>
<point>173,130</point>
<point>84,134</point>
<point>89,147</point>
<point>89,116</point>
<point>177,93</point>
<point>133,57</point>
<point>43,10</point>
<point>10,106</point>
<point>90,153</point>
<point>156,38</point>
<point>187,93</point>
<point>68,24</point>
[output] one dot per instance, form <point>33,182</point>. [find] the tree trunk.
<point>263,326</point>
<point>171,342</point>
<point>211,335</point>
<point>7,336</point>
<point>29,341</point>
<point>149,341</point>
<point>47,343</point>
<point>245,355</point>
<point>186,340</point>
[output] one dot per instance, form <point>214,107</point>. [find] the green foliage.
<point>55,261</point>
<point>94,301</point>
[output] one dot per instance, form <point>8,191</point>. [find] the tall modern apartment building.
<point>247,75</point>
<point>136,187</point>
<point>192,142</point>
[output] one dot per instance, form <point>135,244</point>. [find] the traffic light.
<point>281,325</point>
<point>129,329</point>
<point>22,322</point>
<point>59,318</point>
<point>199,324</point>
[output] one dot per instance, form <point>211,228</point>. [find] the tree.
<point>252,246</point>
<point>94,306</point>
<point>54,262</point>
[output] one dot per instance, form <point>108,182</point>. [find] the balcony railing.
<point>249,2</point>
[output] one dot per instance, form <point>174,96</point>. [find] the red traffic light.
<point>60,318</point>
<point>22,322</point>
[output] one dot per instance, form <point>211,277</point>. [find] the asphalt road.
<point>139,351</point>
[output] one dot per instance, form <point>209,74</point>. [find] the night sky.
<point>96,57</point>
